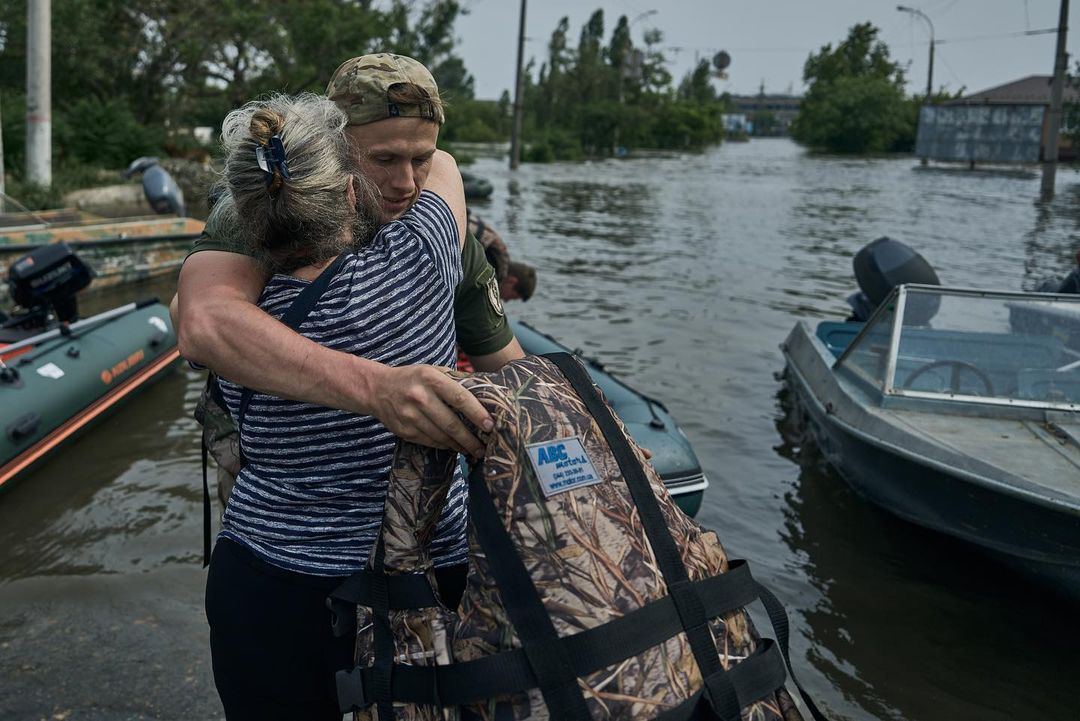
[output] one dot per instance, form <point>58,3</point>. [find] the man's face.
<point>395,154</point>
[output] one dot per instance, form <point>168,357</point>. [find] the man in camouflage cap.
<point>395,115</point>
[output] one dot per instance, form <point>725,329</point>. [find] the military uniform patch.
<point>493,295</point>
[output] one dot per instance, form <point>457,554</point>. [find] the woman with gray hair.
<point>307,505</point>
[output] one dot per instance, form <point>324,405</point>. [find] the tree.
<point>696,86</point>
<point>855,101</point>
<point>163,64</point>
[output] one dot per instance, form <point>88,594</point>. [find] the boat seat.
<point>1040,384</point>
<point>837,335</point>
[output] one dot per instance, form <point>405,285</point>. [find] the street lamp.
<point>930,72</point>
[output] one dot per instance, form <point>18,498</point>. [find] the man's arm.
<point>495,361</point>
<point>221,327</point>
<point>482,329</point>
<point>444,180</point>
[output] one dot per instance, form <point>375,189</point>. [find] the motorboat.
<point>956,409</point>
<point>118,250</point>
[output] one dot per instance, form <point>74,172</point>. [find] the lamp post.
<point>930,72</point>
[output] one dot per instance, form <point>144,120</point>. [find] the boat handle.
<point>23,427</point>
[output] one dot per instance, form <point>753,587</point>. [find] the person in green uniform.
<point>395,114</point>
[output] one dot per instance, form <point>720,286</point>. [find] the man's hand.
<point>421,403</point>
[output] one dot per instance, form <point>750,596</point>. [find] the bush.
<point>104,133</point>
<point>553,145</point>
<point>854,115</point>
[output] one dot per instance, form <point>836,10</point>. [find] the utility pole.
<point>930,68</point>
<point>930,71</point>
<point>519,101</point>
<point>39,93</point>
<point>1057,89</point>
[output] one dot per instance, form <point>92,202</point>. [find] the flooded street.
<point>682,273</point>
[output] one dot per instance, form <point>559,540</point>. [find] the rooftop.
<point>1032,90</point>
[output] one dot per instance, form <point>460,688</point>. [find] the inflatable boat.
<point>647,420</point>
<point>59,375</point>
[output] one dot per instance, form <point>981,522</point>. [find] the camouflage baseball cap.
<point>360,87</point>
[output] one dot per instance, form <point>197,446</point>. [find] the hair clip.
<point>271,157</point>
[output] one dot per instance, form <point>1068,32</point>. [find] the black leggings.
<point>273,652</point>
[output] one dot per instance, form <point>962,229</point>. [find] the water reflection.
<point>910,623</point>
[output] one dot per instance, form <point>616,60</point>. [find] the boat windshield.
<point>972,346</point>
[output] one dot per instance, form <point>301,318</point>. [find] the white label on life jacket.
<point>561,465</point>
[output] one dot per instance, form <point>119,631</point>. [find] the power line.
<point>1018,34</point>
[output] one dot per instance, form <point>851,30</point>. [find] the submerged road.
<point>682,273</point>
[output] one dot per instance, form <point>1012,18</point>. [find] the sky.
<point>769,40</point>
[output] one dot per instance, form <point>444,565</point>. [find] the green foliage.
<point>105,134</point>
<point>66,178</point>
<point>122,70</point>
<point>590,101</point>
<point>855,102</point>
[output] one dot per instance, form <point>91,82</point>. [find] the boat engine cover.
<point>50,275</point>
<point>884,264</point>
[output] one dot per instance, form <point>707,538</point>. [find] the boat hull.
<point>647,420</point>
<point>68,384</point>
<point>1039,536</point>
<point>117,251</point>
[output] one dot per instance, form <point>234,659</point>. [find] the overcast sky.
<point>769,40</point>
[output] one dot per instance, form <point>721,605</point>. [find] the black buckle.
<point>350,690</point>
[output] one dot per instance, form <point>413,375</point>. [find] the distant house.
<point>1001,108</point>
<point>782,108</point>
<point>1032,90</point>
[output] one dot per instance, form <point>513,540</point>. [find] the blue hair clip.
<point>271,156</point>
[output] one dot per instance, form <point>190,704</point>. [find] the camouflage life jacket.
<point>589,595</point>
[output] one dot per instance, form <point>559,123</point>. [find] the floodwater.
<point>682,273</point>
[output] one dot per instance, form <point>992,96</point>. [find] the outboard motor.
<point>881,266</point>
<point>46,280</point>
<point>161,190</point>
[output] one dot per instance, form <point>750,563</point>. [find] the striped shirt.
<point>310,498</point>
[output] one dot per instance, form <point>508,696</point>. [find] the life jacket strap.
<point>508,672</point>
<point>405,591</point>
<point>459,684</point>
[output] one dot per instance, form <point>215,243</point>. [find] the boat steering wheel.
<point>954,381</point>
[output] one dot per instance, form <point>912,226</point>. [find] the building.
<point>761,107</point>
<point>1032,90</point>
<point>1021,96</point>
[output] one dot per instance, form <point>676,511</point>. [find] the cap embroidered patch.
<point>561,465</point>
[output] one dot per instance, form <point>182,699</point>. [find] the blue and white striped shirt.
<point>310,498</point>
